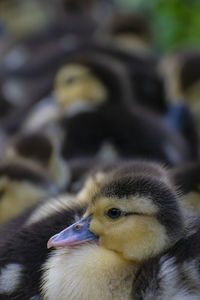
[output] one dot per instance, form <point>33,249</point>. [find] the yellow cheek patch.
<point>135,237</point>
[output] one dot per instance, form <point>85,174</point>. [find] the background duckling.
<point>135,215</point>
<point>22,184</point>
<point>23,243</point>
<point>76,88</point>
<point>149,90</point>
<point>85,89</point>
<point>181,71</point>
<point>130,31</point>
<point>112,119</point>
<point>187,179</point>
<point>181,74</point>
<point>42,149</point>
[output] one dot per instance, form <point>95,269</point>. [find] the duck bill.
<point>75,234</point>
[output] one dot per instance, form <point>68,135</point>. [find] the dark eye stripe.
<point>132,213</point>
<point>115,213</point>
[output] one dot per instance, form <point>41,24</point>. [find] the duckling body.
<point>107,275</point>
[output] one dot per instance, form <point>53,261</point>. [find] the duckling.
<point>131,32</point>
<point>22,184</point>
<point>93,93</point>
<point>146,83</point>
<point>90,89</point>
<point>42,148</point>
<point>23,244</point>
<point>181,69</point>
<point>131,217</point>
<point>133,238</point>
<point>180,72</point>
<point>85,87</point>
<point>78,87</point>
<point>106,113</point>
<point>187,178</point>
<point>182,75</point>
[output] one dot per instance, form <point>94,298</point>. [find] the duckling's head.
<point>43,150</point>
<point>75,82</point>
<point>91,79</point>
<point>181,73</point>
<point>133,210</point>
<point>131,32</point>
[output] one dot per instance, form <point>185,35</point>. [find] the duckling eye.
<point>70,80</point>
<point>114,213</point>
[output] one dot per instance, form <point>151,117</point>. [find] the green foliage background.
<point>175,22</point>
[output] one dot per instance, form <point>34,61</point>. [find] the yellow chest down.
<point>86,273</point>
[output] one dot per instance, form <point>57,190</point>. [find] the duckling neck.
<point>86,273</point>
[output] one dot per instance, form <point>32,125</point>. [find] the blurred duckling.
<point>22,184</point>
<point>76,88</point>
<point>83,82</point>
<point>134,227</point>
<point>181,69</point>
<point>23,243</point>
<point>84,87</point>
<point>42,149</point>
<point>131,32</point>
<point>187,179</point>
<point>95,109</point>
<point>180,72</point>
<point>105,112</point>
<point>77,82</point>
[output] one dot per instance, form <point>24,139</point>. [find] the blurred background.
<point>84,82</point>
<point>174,22</point>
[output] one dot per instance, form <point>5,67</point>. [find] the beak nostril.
<point>78,227</point>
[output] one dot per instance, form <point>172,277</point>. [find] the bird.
<point>23,241</point>
<point>105,115</point>
<point>22,184</point>
<point>187,178</point>
<point>42,149</point>
<point>131,32</point>
<point>180,72</point>
<point>133,239</point>
<point>126,224</point>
